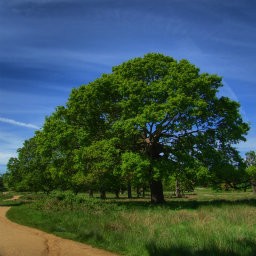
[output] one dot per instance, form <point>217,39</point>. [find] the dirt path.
<point>18,240</point>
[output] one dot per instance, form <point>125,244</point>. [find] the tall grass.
<point>225,224</point>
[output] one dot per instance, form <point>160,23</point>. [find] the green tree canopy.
<point>251,168</point>
<point>162,109</point>
<point>144,121</point>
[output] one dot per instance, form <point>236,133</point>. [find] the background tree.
<point>99,162</point>
<point>251,168</point>
<point>133,170</point>
<point>12,176</point>
<point>26,172</point>
<point>56,144</point>
<point>2,187</point>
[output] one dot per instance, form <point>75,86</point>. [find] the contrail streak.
<point>13,122</point>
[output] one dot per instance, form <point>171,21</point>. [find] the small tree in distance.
<point>251,168</point>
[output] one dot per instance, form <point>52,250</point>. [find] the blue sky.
<point>48,47</point>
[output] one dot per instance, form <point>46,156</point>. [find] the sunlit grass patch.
<point>222,225</point>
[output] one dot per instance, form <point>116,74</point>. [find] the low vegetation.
<point>203,223</point>
<point>6,199</point>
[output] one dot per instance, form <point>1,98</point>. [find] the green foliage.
<point>251,163</point>
<point>251,168</point>
<point>102,160</point>
<point>143,123</point>
<point>134,167</point>
<point>2,188</point>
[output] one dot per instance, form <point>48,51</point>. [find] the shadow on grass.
<point>191,204</point>
<point>91,236</point>
<point>247,248</point>
<point>11,203</point>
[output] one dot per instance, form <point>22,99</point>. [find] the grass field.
<point>203,223</point>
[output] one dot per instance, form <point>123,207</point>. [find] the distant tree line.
<point>153,122</point>
<point>2,188</point>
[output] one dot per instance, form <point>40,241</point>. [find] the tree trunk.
<point>129,190</point>
<point>153,149</point>
<point>138,192</point>
<point>103,194</point>
<point>178,190</point>
<point>253,182</point>
<point>117,193</point>
<point>157,194</point>
<point>143,192</point>
<point>90,193</point>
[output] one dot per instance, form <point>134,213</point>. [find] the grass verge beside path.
<point>6,199</point>
<point>222,225</point>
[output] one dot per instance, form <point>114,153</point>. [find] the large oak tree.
<point>152,118</point>
<point>162,109</point>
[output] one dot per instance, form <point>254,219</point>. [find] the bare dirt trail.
<point>18,240</point>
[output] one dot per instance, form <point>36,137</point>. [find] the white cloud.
<point>13,122</point>
<point>10,142</point>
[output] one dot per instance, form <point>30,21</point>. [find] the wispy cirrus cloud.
<point>9,142</point>
<point>228,91</point>
<point>17,123</point>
